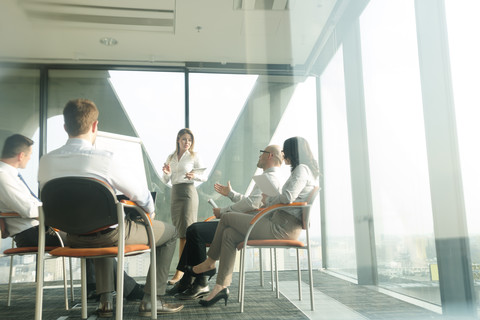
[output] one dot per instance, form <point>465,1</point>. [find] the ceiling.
<point>166,32</point>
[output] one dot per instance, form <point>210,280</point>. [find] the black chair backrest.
<point>78,205</point>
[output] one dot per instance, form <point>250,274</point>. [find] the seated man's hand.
<point>216,212</point>
<point>223,190</point>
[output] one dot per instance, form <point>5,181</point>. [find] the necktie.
<point>31,192</point>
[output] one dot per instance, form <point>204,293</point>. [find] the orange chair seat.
<point>26,250</point>
<point>92,252</point>
<point>273,243</point>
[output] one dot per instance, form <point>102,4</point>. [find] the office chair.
<point>78,205</point>
<point>279,243</point>
<point>21,251</point>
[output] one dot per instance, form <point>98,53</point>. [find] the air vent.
<point>260,4</point>
<point>152,16</point>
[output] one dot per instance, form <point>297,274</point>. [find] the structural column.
<point>451,235</point>
<point>359,159</point>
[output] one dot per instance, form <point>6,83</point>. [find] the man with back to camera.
<point>16,196</point>
<point>201,233</point>
<point>78,157</point>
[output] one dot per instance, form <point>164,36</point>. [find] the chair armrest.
<point>275,207</point>
<point>3,225</point>
<point>143,213</point>
<point>269,210</point>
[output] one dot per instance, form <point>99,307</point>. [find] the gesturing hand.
<point>223,190</point>
<point>166,168</point>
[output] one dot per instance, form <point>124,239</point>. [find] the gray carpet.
<point>260,303</point>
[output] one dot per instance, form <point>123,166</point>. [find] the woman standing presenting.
<point>181,168</point>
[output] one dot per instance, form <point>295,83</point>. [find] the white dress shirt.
<point>16,197</point>
<point>178,168</point>
<point>297,188</point>
<point>79,158</point>
<point>254,200</point>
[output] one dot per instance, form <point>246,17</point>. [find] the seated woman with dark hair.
<point>284,224</point>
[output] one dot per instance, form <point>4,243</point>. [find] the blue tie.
<point>31,192</point>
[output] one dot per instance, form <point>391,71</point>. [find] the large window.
<point>338,190</point>
<point>462,25</point>
<point>397,150</point>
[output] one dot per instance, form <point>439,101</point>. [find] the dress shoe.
<point>105,307</point>
<point>179,287</point>
<point>145,309</point>
<point>136,293</point>
<point>93,296</point>
<point>209,273</point>
<point>221,295</point>
<point>196,291</point>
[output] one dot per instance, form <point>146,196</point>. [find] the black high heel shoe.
<point>221,295</point>
<point>209,273</point>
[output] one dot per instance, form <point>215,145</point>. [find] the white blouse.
<point>296,189</point>
<point>178,168</point>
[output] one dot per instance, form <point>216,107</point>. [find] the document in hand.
<point>266,185</point>
<point>199,170</point>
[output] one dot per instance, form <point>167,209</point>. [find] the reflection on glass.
<point>155,105</point>
<point>216,101</point>
<point>19,92</point>
<point>404,237</point>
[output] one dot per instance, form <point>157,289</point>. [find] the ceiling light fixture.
<point>109,42</point>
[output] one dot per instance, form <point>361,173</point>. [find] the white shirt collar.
<point>8,168</point>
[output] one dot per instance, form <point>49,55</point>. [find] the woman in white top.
<point>179,169</point>
<point>283,224</point>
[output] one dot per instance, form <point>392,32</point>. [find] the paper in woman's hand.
<point>266,185</point>
<point>198,170</point>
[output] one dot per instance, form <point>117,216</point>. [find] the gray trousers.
<point>232,229</point>
<point>135,233</point>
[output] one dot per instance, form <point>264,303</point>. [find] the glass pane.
<point>155,105</point>
<point>338,196</point>
<point>462,24</point>
<point>216,102</point>
<point>19,92</point>
<point>404,236</point>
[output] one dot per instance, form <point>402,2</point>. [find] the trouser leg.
<point>230,232</point>
<point>165,240</point>
<point>104,275</point>
<point>198,235</point>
